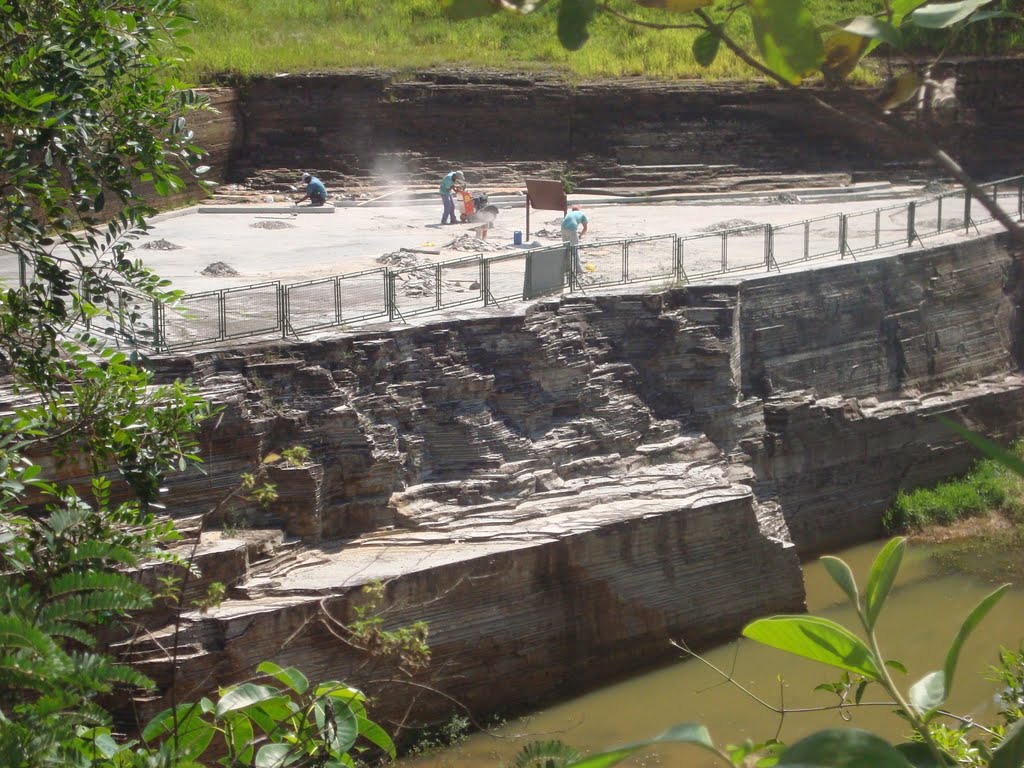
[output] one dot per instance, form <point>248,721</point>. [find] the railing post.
<point>807,240</point>
<point>338,309</point>
<point>967,211</point>
<point>842,236</point>
<point>283,309</point>
<point>222,317</point>
<point>768,247</point>
<point>22,270</point>
<point>911,216</point>
<point>625,261</point>
<point>878,227</point>
<point>679,259</point>
<point>938,223</point>
<point>485,280</point>
<point>1020,199</point>
<point>389,293</point>
<point>437,286</point>
<point>725,252</point>
<point>158,334</point>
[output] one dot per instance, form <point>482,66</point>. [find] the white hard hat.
<point>306,177</point>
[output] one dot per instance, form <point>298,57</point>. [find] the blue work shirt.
<point>447,183</point>
<point>316,187</point>
<point>573,220</point>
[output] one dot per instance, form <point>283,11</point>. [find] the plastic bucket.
<point>517,238</point>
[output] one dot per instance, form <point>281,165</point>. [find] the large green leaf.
<point>874,29</point>
<point>919,755</point>
<point>275,756</point>
<point>239,735</point>
<point>970,623</point>
<point>900,9</point>
<point>881,577</point>
<point>244,695</point>
<point>289,676</point>
<point>942,15</point>
<point>987,447</point>
<point>1010,752</point>
<point>685,733</point>
<point>787,37</point>
<point>573,18</point>
<point>376,735</point>
<point>816,639</point>
<point>929,692</point>
<point>843,576</point>
<point>705,48</point>
<point>842,748</point>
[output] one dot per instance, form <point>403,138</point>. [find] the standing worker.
<point>570,235</point>
<point>316,192</point>
<point>453,180</point>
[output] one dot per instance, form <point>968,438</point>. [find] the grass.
<point>989,487</point>
<point>260,37</point>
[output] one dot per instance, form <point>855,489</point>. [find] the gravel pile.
<point>161,245</point>
<point>220,269</point>
<point>272,224</point>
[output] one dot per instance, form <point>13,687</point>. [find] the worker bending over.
<point>453,180</point>
<point>572,235</point>
<point>316,192</point>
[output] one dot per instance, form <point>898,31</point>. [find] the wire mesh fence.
<point>397,294</point>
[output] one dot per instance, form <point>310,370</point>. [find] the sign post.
<point>544,195</point>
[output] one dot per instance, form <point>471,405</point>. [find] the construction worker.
<point>453,180</point>
<point>571,234</point>
<point>316,192</point>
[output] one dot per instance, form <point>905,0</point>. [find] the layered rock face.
<point>561,490</point>
<point>690,135</point>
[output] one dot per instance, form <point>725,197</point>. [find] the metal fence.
<point>385,294</point>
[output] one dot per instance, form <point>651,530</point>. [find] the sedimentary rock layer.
<point>561,490</point>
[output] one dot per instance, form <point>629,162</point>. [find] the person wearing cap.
<point>316,192</point>
<point>451,181</point>
<point>571,234</point>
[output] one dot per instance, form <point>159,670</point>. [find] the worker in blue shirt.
<point>316,192</point>
<point>453,180</point>
<point>571,234</point>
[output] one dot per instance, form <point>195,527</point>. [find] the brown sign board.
<point>544,195</point>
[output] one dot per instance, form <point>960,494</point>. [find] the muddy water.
<point>921,617</point>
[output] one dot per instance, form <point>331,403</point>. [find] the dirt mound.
<point>723,226</point>
<point>161,245</point>
<point>272,224</point>
<point>220,269</point>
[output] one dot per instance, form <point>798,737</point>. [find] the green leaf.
<point>880,579</point>
<point>273,756</point>
<point>942,15</point>
<point>685,733</point>
<point>573,18</point>
<point>843,51</point>
<point>705,48</point>
<point>816,639</point>
<point>920,756</point>
<point>376,735</point>
<point>987,447</point>
<point>843,576</point>
<point>460,10</point>
<point>970,623</point>
<point>244,695</point>
<point>1010,752</point>
<point>290,676</point>
<point>874,29</point>
<point>787,37</point>
<point>238,734</point>
<point>929,692</point>
<point>842,748</point>
<point>900,9</point>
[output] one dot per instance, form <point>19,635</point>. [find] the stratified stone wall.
<point>502,127</point>
<point>563,489</point>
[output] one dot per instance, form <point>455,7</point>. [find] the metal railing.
<point>387,294</point>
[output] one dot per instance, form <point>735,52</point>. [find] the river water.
<point>921,617</point>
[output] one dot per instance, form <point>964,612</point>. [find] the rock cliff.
<point>561,490</point>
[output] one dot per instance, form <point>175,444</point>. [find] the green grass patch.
<point>260,37</point>
<point>989,487</point>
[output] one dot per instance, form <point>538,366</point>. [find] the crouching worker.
<point>571,234</point>
<point>316,192</point>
